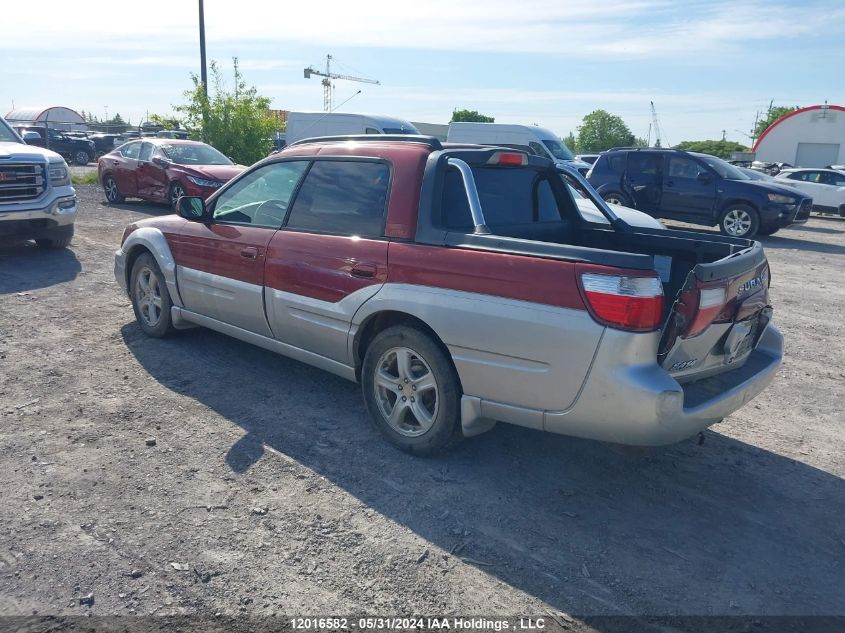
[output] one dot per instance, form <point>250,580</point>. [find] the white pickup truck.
<point>37,200</point>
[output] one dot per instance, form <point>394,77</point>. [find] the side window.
<point>617,163</point>
<point>261,197</point>
<point>812,176</point>
<point>682,167</point>
<point>640,163</point>
<point>131,150</point>
<point>372,130</point>
<point>146,151</point>
<point>342,197</point>
<point>538,149</point>
<point>547,210</point>
<point>837,180</point>
<point>797,175</point>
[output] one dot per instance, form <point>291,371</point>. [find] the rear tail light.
<point>624,302</point>
<point>711,301</point>
<point>513,159</point>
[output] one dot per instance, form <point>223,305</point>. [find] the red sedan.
<point>162,170</point>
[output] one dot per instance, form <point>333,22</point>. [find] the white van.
<point>310,124</point>
<point>531,138</point>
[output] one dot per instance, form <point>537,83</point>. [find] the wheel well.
<point>383,320</point>
<point>134,253</point>
<point>739,202</point>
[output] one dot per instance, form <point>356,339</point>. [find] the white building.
<point>55,117</point>
<point>808,137</point>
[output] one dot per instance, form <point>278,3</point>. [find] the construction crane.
<point>328,76</point>
<point>655,125</point>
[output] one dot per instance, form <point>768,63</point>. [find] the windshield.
<point>409,129</point>
<point>558,150</point>
<point>194,154</point>
<point>7,134</point>
<point>724,169</point>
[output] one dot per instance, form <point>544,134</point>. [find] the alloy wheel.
<point>176,192</point>
<point>737,222</point>
<point>148,296</point>
<point>406,391</point>
<point>111,189</point>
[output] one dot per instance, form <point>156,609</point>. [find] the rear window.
<point>508,196</point>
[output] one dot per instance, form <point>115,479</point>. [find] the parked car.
<point>461,287</point>
<point>540,141</point>
<point>104,143</point>
<point>163,170</point>
<point>37,200</point>
<point>301,125</point>
<point>696,188</point>
<point>79,151</point>
<point>826,186</point>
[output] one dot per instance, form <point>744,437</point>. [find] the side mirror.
<point>192,208</point>
<point>32,138</point>
<point>703,176</point>
<point>158,160</point>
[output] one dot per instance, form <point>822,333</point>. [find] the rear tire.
<point>412,391</point>
<point>614,197</point>
<point>113,194</point>
<point>150,298</point>
<point>739,220</point>
<point>769,231</point>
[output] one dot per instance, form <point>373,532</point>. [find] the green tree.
<point>600,130</point>
<point>722,149</point>
<point>471,115</point>
<point>571,142</point>
<point>771,116</point>
<point>166,122</point>
<point>237,122</point>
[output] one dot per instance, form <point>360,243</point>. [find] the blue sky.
<point>708,66</point>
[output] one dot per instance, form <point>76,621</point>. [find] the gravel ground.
<point>199,474</point>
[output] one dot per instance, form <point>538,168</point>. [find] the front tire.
<point>176,192</point>
<point>739,220</point>
<point>769,230</point>
<point>61,240</point>
<point>150,298</point>
<point>113,194</point>
<point>411,391</point>
<point>614,197</point>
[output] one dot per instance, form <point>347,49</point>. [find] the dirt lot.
<point>266,491</point>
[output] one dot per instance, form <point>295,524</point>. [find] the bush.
<point>237,122</point>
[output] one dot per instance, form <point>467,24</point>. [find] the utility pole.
<point>203,71</point>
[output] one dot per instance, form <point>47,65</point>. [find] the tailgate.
<point>717,317</point>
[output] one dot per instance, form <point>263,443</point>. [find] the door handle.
<point>249,252</point>
<point>365,270</point>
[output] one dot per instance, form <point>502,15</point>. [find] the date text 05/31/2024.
<point>419,623</point>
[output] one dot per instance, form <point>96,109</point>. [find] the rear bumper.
<point>627,398</point>
<point>645,406</point>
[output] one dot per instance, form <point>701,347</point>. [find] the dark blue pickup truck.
<point>696,188</point>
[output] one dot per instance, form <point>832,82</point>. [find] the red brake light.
<point>711,301</point>
<point>624,302</point>
<point>508,158</point>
